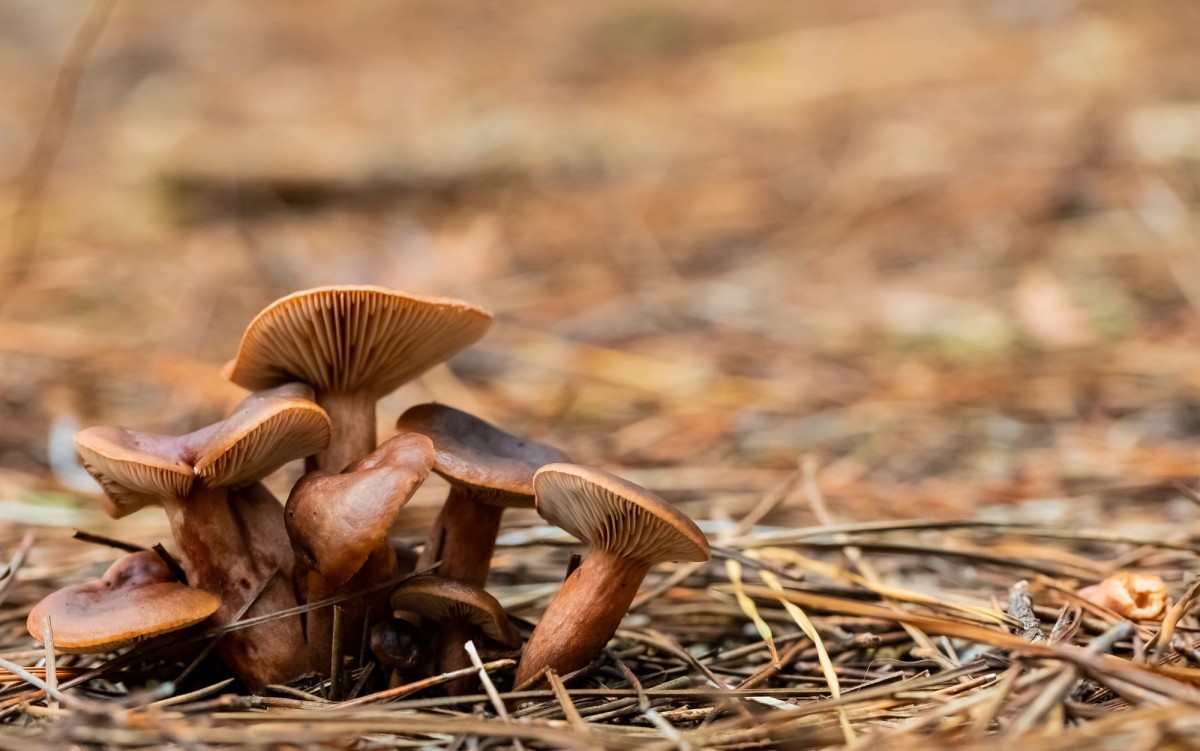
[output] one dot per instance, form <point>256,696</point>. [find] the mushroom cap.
<point>615,515</point>
<point>475,454</point>
<point>350,339</point>
<point>1133,595</point>
<point>335,521</point>
<point>134,600</point>
<point>266,430</point>
<point>135,469</point>
<point>440,598</point>
<point>399,645</point>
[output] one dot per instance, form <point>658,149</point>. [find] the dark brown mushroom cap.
<point>475,454</point>
<point>266,430</point>
<point>615,515</point>
<point>399,645</point>
<point>134,600</point>
<point>439,599</point>
<point>335,521</point>
<point>351,339</point>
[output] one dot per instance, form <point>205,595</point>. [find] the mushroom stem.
<point>583,616</point>
<point>230,550</point>
<point>463,537</point>
<point>380,566</point>
<point>452,655</point>
<point>353,419</point>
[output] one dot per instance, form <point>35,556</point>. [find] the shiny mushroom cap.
<point>442,599</point>
<point>265,431</point>
<point>335,521</point>
<point>617,516</point>
<point>351,339</point>
<point>399,645</point>
<point>134,600</point>
<point>496,465</point>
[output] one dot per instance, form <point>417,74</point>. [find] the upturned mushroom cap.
<point>135,469</point>
<point>353,339</point>
<point>134,600</point>
<point>335,521</point>
<point>266,430</point>
<point>475,454</point>
<point>441,599</point>
<point>616,515</point>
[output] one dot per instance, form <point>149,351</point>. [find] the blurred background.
<point>947,248</point>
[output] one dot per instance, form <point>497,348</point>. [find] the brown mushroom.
<point>488,470</point>
<point>229,529</point>
<point>461,612</point>
<point>399,645</point>
<point>1130,594</point>
<point>339,522</point>
<point>353,345</point>
<point>629,529</point>
<point>135,599</point>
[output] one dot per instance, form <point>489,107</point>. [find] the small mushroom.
<point>488,470</point>
<point>229,528</point>
<point>461,612</point>
<point>135,599</point>
<point>399,645</point>
<point>1130,594</point>
<point>338,522</point>
<point>353,345</point>
<point>628,529</point>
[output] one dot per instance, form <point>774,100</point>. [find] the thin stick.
<point>335,656</point>
<point>667,729</point>
<point>27,220</point>
<point>110,542</point>
<point>572,564</point>
<point>357,688</point>
<point>490,688</point>
<point>14,565</point>
<point>199,693</point>
<point>1162,640</point>
<point>51,663</point>
<point>172,564</point>
<point>424,683</point>
<point>569,710</point>
<point>1020,606</point>
<point>36,682</point>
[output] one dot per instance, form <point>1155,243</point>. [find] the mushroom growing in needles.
<point>229,528</point>
<point>135,599</point>
<point>629,529</point>
<point>353,345</point>
<point>489,470</point>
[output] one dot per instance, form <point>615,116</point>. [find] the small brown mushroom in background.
<point>629,529</point>
<point>229,528</point>
<point>488,470</point>
<point>338,524</point>
<point>399,645</point>
<point>1130,595</point>
<point>460,612</point>
<point>353,345</point>
<point>135,599</point>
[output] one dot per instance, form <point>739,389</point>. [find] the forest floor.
<point>899,299</point>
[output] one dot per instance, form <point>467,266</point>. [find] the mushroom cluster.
<point>317,362</point>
